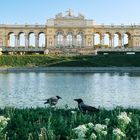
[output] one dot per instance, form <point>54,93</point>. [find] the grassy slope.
<point>76,61</point>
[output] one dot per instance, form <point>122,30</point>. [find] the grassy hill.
<point>70,61</point>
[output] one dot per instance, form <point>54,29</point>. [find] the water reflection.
<point>98,89</point>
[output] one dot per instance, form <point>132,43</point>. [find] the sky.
<point>38,11</point>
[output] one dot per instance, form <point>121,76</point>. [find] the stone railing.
<point>116,26</point>
<point>76,50</point>
<point>22,26</point>
<point>122,49</point>
<point>22,49</point>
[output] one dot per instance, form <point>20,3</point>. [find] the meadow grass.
<point>58,124</point>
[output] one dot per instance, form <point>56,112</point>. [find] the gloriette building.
<point>69,34</point>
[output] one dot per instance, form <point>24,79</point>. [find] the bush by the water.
<point>67,124</point>
<point>75,61</point>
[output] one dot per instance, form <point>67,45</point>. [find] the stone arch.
<point>79,38</point>
<point>126,39</point>
<point>70,31</point>
<point>21,39</point>
<point>97,38</point>
<point>1,42</point>
<point>59,31</point>
<point>69,38</point>
<point>119,35</point>
<point>41,39</point>
<point>117,39</point>
<point>11,39</point>
<point>31,39</point>
<point>60,38</point>
<point>80,31</point>
<point>107,39</point>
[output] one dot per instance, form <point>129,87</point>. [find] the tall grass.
<point>51,124</point>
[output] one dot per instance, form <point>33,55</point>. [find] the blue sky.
<point>102,11</point>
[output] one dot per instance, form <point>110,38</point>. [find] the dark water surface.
<point>107,90</point>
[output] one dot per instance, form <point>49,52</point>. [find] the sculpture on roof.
<point>69,12</point>
<point>59,15</point>
<point>69,15</point>
<point>80,15</point>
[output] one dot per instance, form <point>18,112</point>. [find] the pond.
<point>106,90</point>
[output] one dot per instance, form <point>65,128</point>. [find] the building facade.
<point>69,32</point>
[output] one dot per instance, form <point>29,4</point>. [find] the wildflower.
<point>2,118</point>
<point>73,112</point>
<point>118,133</point>
<point>124,118</point>
<point>104,133</point>
<point>3,122</point>
<point>93,136</point>
<point>81,131</point>
<point>40,135</point>
<point>90,125</point>
<point>101,129</point>
<point>107,120</point>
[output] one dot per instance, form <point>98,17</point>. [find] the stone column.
<point>74,40</point>
<point>93,40</point>
<point>6,41</point>
<point>82,41</point>
<point>112,41</point>
<point>36,41</point>
<point>64,41</point>
<point>100,37</point>
<point>16,41</point>
<point>129,41</point>
<point>102,40</point>
<point>122,41</point>
<point>46,41</point>
<point>85,41</point>
<point>55,41</point>
<point>26,41</point>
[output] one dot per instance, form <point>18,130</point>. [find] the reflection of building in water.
<point>69,31</point>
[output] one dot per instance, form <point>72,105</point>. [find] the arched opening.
<point>1,42</point>
<point>117,40</point>
<point>126,40</point>
<point>60,39</point>
<point>21,39</point>
<point>31,39</point>
<point>11,39</point>
<point>79,39</point>
<point>41,39</point>
<point>69,38</point>
<point>97,39</point>
<point>107,38</point>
